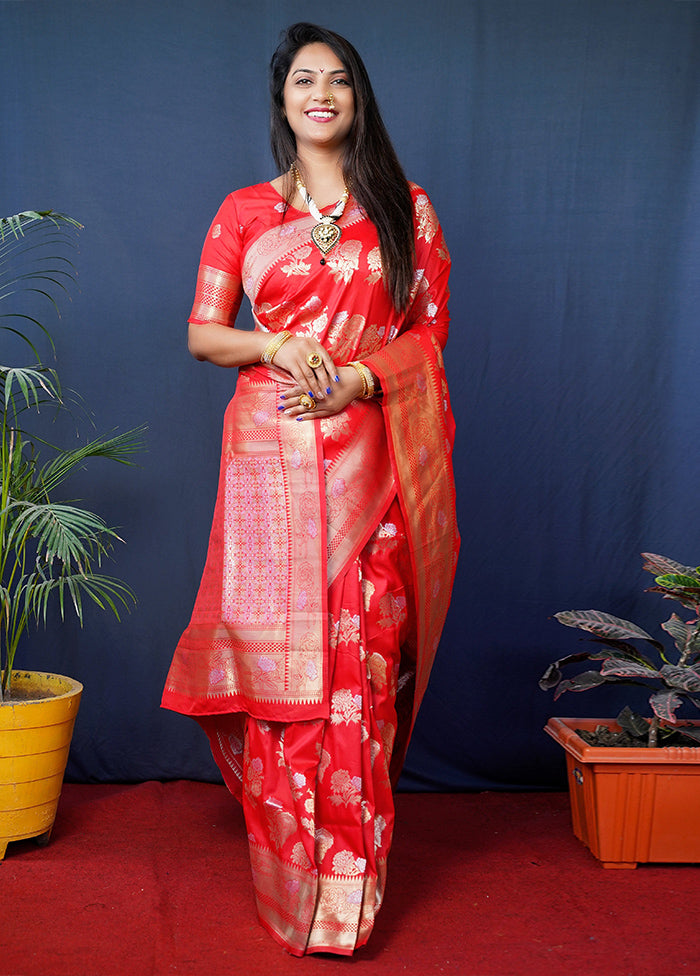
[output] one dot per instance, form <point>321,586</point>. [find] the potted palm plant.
<point>634,782</point>
<point>51,549</point>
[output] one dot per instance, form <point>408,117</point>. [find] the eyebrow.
<point>312,71</point>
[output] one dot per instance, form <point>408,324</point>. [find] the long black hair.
<point>370,164</point>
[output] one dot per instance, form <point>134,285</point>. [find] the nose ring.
<point>331,99</point>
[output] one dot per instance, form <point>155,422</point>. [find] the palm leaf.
<point>34,236</point>
<point>114,447</point>
<point>35,385</point>
<point>106,592</point>
<point>64,532</point>
<point>49,550</point>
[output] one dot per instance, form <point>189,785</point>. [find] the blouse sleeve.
<point>219,290</point>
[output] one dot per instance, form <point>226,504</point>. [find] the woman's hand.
<point>294,356</point>
<point>344,391</point>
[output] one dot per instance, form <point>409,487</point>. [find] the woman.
<point>334,541</point>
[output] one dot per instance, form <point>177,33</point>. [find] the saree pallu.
<point>296,504</point>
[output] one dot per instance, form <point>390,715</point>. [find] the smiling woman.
<point>315,625</point>
<point>319,103</point>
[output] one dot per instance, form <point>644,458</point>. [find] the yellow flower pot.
<point>36,727</point>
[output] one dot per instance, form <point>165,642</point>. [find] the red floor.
<point>153,879</point>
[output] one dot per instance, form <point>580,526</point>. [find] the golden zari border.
<point>314,913</point>
<point>216,295</point>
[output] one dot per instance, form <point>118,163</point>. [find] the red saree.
<point>330,563</point>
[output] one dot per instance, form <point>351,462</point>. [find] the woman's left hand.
<point>296,401</point>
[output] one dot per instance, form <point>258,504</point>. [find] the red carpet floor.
<point>153,879</point>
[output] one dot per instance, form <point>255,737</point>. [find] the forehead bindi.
<point>316,59</point>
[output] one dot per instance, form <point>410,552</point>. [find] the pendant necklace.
<point>326,233</point>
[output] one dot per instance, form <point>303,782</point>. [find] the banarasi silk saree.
<point>330,563</point>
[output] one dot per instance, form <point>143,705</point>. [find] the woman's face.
<point>319,103</point>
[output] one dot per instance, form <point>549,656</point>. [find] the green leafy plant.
<point>50,550</point>
<point>672,679</point>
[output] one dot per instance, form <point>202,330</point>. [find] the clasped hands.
<point>318,391</point>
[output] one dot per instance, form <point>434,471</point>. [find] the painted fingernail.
<point>281,406</point>
<point>311,394</point>
<point>328,389</point>
<point>282,396</point>
<point>336,378</point>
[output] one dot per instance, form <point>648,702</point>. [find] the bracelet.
<point>367,378</point>
<point>274,346</point>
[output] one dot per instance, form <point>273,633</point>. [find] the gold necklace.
<point>326,233</point>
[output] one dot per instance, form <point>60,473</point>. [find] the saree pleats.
<point>316,795</point>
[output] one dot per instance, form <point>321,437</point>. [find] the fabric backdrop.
<point>558,140</point>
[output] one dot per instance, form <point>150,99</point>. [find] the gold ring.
<point>314,360</point>
<point>307,402</point>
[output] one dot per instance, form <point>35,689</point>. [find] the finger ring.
<point>307,402</point>
<point>314,360</point>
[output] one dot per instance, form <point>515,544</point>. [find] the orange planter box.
<point>631,806</point>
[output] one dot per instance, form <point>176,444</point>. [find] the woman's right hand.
<point>293,357</point>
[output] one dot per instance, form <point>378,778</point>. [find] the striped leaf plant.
<point>629,655</point>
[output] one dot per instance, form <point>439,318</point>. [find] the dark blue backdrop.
<point>559,142</point>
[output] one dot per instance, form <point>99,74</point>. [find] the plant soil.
<point>27,694</point>
<point>603,736</point>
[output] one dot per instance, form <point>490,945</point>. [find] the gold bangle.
<point>356,367</point>
<point>273,347</point>
<point>367,378</point>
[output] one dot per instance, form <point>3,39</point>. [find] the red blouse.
<point>254,247</point>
